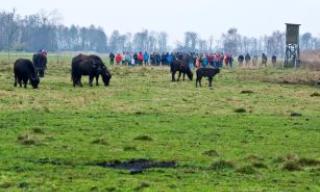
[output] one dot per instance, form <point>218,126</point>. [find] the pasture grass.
<point>53,138</point>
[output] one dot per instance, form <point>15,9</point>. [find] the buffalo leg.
<point>79,82</point>
<point>91,80</point>
<point>41,73</point>
<point>173,76</point>
<point>25,82</point>
<point>183,76</point>
<point>97,80</point>
<point>210,81</point>
<point>15,81</point>
<point>20,82</point>
<point>75,81</point>
<point>179,76</point>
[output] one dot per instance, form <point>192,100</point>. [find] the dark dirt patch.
<point>253,158</point>
<point>315,94</point>
<point>58,162</point>
<point>23,185</point>
<point>291,166</point>
<point>293,162</point>
<point>27,140</point>
<point>249,170</point>
<point>143,138</point>
<point>240,110</point>
<point>37,131</point>
<point>222,165</point>
<point>247,92</point>
<point>142,186</point>
<point>136,166</point>
<point>288,157</point>
<point>211,153</point>
<point>295,114</point>
<point>259,165</point>
<point>100,141</point>
<point>140,113</point>
<point>309,162</point>
<point>130,148</point>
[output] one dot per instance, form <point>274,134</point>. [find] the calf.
<point>25,71</point>
<point>206,72</point>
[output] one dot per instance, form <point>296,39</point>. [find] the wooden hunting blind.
<point>292,58</point>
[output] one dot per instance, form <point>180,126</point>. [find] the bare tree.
<point>190,42</point>
<point>231,41</point>
<point>162,41</point>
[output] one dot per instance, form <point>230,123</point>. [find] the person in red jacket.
<point>140,58</point>
<point>118,58</point>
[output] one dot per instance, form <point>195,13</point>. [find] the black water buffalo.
<point>40,63</point>
<point>25,71</point>
<point>206,72</point>
<point>181,65</point>
<point>89,65</point>
<point>240,60</point>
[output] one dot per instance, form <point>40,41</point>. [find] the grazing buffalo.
<point>240,60</point>
<point>181,65</point>
<point>89,65</point>
<point>40,63</point>
<point>25,71</point>
<point>206,72</point>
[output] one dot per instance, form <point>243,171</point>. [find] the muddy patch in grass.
<point>247,92</point>
<point>100,141</point>
<point>222,165</point>
<point>292,162</point>
<point>27,140</point>
<point>53,161</point>
<point>295,114</point>
<point>248,170</point>
<point>315,94</point>
<point>240,110</point>
<point>211,153</point>
<point>130,148</point>
<point>136,166</point>
<point>143,138</point>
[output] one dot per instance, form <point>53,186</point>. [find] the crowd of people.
<point>197,60</point>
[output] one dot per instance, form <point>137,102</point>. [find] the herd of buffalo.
<point>92,66</point>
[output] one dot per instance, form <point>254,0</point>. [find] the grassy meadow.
<point>255,130</point>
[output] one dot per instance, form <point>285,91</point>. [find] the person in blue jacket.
<point>146,58</point>
<point>169,59</point>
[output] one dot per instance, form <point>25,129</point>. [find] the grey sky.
<point>207,17</point>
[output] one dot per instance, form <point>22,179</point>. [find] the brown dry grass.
<point>311,60</point>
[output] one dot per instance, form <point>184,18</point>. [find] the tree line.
<point>42,31</point>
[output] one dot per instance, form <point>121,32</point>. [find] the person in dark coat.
<point>111,57</point>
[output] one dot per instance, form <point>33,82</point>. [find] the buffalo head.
<point>34,81</point>
<point>106,75</point>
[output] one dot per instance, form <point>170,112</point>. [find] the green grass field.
<point>249,133</point>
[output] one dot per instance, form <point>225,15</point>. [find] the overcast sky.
<point>207,17</point>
